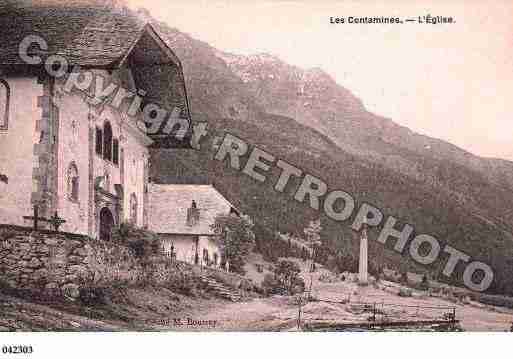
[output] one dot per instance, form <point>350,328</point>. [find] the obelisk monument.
<point>362,263</point>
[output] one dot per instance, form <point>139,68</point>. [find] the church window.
<point>107,141</point>
<point>133,208</point>
<point>5,94</point>
<point>106,183</point>
<point>99,141</point>
<point>115,151</point>
<point>73,182</point>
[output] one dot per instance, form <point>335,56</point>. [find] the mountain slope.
<point>313,98</point>
<point>412,201</point>
<point>460,198</point>
<point>221,85</point>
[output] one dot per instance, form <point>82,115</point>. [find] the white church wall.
<point>17,159</point>
<point>103,167</point>
<point>136,156</point>
<point>73,148</point>
<point>77,118</point>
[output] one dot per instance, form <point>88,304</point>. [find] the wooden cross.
<point>55,220</point>
<point>35,217</point>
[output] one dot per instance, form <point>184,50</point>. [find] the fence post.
<point>299,314</point>
<point>453,321</point>
<point>382,310</point>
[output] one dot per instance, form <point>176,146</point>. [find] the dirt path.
<point>161,310</point>
<point>281,313</point>
<point>262,314</point>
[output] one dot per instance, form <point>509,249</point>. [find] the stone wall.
<point>61,264</point>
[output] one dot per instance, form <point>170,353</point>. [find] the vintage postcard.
<point>220,166</point>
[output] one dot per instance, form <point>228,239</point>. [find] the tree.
<point>304,254</point>
<point>313,236</point>
<point>313,239</point>
<point>424,285</point>
<point>237,239</point>
<point>332,264</point>
<point>292,245</point>
<point>404,277</point>
<point>286,273</point>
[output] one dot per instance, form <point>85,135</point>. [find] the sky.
<point>449,81</point>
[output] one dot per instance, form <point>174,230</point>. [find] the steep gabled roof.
<point>168,206</point>
<point>89,36</point>
<point>99,36</point>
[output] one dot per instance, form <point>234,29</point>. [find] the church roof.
<point>92,34</point>
<point>168,206</point>
<point>86,35</point>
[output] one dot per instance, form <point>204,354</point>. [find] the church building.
<point>63,152</point>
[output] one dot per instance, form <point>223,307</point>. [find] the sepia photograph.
<point>255,166</point>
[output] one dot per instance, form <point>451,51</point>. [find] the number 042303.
<point>17,349</point>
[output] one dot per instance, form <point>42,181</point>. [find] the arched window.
<point>107,141</point>
<point>73,182</point>
<point>115,151</point>
<point>133,208</point>
<point>5,95</point>
<point>106,182</point>
<point>99,141</point>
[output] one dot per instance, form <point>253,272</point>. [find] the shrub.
<point>6,233</point>
<point>183,282</point>
<point>112,265</point>
<point>404,278</point>
<point>92,295</point>
<point>271,285</point>
<point>287,275</point>
<point>259,289</point>
<point>170,274</point>
<point>424,285</point>
<point>328,277</point>
<point>143,242</point>
<point>298,285</point>
<point>379,276</point>
<point>496,300</point>
<point>405,292</point>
